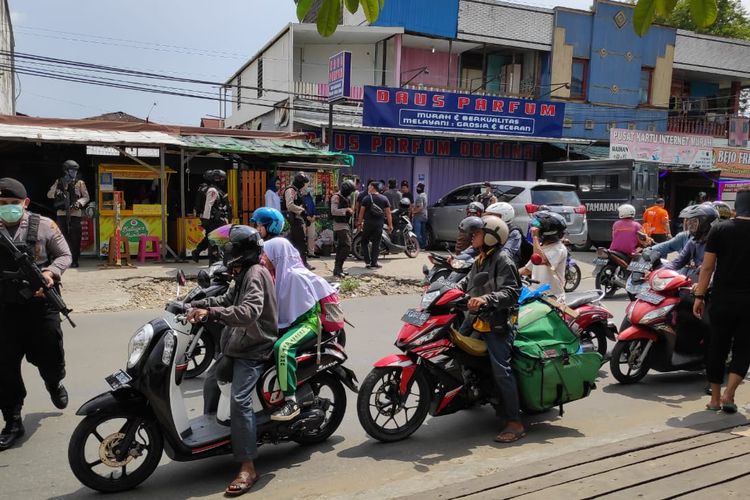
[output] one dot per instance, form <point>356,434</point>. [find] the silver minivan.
<point>524,196</point>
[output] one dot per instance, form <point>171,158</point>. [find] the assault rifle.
<point>30,276</point>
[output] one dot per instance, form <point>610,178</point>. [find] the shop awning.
<point>71,135</point>
<point>270,147</point>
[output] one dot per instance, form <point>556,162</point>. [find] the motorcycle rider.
<point>490,312</point>
<point>301,296</point>
<point>294,206</point>
<point>341,211</point>
<point>269,222</point>
<point>518,250</point>
<point>28,325</point>
<point>547,233</point>
<point>214,207</point>
<point>627,233</point>
<point>248,310</point>
<point>463,240</point>
<point>699,219</point>
<point>540,208</point>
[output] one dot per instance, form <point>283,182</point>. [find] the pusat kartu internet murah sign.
<point>679,149</point>
<point>417,109</point>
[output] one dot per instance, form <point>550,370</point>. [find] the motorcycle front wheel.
<point>572,277</point>
<point>92,458</point>
<point>412,247</point>
<point>605,280</point>
<point>202,356</point>
<point>624,363</point>
<point>386,415</point>
<point>326,386</point>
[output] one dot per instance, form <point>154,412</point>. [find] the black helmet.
<point>243,248</point>
<point>471,224</point>
<point>699,218</point>
<point>347,188</point>
<point>404,204</point>
<point>70,165</point>
<point>217,175</point>
<point>300,180</point>
<point>475,208</point>
<point>551,225</point>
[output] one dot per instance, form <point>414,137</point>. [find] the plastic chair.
<point>144,253</point>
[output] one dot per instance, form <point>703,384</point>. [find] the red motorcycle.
<point>659,331</point>
<point>441,370</point>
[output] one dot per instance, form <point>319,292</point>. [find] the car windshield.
<point>555,196</point>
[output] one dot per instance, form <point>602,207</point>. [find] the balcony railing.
<point>319,91</point>
<point>713,125</point>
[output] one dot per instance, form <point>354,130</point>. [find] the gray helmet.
<point>703,215</point>
<point>475,208</point>
<point>471,224</point>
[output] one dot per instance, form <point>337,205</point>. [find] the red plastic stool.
<point>143,252</point>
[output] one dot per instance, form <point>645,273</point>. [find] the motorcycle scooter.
<point>660,331</point>
<point>119,443</point>
<point>402,239</point>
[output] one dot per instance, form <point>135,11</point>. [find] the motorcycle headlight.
<point>660,284</point>
<point>428,298</point>
<point>139,343</point>
<point>656,314</point>
<point>169,344</point>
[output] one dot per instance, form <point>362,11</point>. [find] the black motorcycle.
<point>402,239</point>
<point>120,441</point>
<point>446,269</point>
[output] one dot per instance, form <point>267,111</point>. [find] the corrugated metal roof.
<point>257,146</point>
<point>85,136</point>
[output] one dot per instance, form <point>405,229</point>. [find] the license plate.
<point>567,218</point>
<point>638,266</point>
<point>600,262</point>
<point>415,318</point>
<point>650,297</point>
<point>118,380</point>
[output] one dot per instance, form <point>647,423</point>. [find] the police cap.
<point>11,188</point>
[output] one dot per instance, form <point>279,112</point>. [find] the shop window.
<point>239,91</point>
<point>578,78</point>
<point>260,77</point>
<point>647,76</point>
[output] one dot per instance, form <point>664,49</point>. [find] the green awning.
<point>267,147</point>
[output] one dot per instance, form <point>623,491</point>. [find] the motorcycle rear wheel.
<point>597,335</point>
<point>412,247</point>
<point>605,278</point>
<point>572,277</point>
<point>202,356</point>
<point>357,247</point>
<point>380,393</point>
<point>623,354</point>
<point>335,415</point>
<point>148,438</point>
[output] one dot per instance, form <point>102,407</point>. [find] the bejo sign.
<point>733,162</point>
<point>452,112</point>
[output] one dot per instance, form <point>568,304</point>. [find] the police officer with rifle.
<point>70,198</point>
<point>33,257</point>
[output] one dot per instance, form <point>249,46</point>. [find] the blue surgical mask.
<point>11,214</point>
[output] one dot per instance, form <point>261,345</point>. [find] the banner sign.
<point>402,145</point>
<point>340,76</point>
<point>680,149</point>
<point>739,130</point>
<point>733,163</point>
<point>451,112</point>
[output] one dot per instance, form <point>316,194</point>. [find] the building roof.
<point>117,116</point>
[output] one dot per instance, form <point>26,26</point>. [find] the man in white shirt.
<point>547,232</point>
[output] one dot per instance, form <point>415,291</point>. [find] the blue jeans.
<point>244,438</point>
<point>500,348</point>
<point>420,229</point>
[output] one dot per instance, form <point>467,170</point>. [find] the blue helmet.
<point>270,218</point>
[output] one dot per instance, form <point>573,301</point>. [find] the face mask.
<point>11,214</point>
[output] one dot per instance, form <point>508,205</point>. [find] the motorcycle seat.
<point>577,299</point>
<point>311,344</point>
<point>621,255</point>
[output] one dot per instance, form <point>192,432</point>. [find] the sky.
<point>187,38</point>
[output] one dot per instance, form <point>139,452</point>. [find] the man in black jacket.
<point>374,212</point>
<point>248,311</point>
<point>490,314</point>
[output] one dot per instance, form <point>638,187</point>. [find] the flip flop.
<point>713,408</point>
<point>515,436</point>
<point>729,407</point>
<point>240,486</point>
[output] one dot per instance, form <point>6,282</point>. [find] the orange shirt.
<point>656,220</point>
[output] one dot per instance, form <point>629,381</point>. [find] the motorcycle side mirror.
<point>425,270</point>
<point>536,259</point>
<point>204,281</point>
<point>480,280</point>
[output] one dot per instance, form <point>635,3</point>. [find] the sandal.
<point>241,485</point>
<point>729,407</point>
<point>514,436</point>
<point>713,408</point>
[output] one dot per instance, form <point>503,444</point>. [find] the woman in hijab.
<point>272,196</point>
<point>300,294</point>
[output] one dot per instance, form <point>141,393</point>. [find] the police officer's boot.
<point>59,396</point>
<point>338,271</point>
<point>13,429</point>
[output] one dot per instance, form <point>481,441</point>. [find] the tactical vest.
<point>343,205</point>
<point>14,291</point>
<point>297,201</point>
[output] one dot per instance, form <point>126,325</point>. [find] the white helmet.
<point>503,210</point>
<point>495,231</point>
<point>626,211</point>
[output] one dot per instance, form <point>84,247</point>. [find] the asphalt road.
<point>349,465</point>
